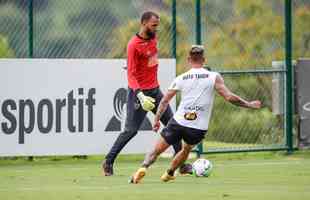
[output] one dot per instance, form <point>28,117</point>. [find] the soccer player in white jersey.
<point>191,120</point>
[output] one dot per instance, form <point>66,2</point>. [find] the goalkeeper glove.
<point>146,102</point>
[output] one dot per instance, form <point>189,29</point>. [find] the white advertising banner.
<point>68,106</point>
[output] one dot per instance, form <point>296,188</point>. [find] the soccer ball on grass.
<point>202,167</point>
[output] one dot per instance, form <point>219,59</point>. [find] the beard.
<point>150,34</point>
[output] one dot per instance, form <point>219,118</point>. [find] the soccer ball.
<point>202,167</point>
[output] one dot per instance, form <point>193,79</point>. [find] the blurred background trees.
<point>5,51</point>
<point>237,34</point>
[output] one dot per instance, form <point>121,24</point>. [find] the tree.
<point>301,35</point>
<point>74,29</point>
<point>5,50</point>
<point>246,40</point>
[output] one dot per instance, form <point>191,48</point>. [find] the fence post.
<point>289,75</point>
<point>198,22</point>
<point>174,29</point>
<point>198,41</point>
<point>30,28</point>
<point>30,39</point>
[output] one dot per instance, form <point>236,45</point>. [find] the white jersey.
<point>197,96</point>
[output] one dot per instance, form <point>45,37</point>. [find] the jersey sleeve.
<point>215,74</point>
<point>131,63</point>
<point>176,84</point>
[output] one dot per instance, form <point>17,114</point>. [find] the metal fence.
<point>239,38</point>
<point>233,129</point>
<point>242,38</point>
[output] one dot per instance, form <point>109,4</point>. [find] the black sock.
<point>170,172</point>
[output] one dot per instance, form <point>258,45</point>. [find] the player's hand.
<point>146,102</point>
<point>156,126</point>
<point>255,104</point>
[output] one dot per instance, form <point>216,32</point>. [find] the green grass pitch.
<point>247,176</point>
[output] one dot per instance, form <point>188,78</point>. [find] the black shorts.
<point>175,132</point>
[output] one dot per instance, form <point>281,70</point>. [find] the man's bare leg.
<point>150,158</point>
<point>178,160</point>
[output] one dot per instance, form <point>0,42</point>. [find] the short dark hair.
<point>148,15</point>
<point>196,53</point>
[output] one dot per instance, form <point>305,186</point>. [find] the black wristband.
<point>137,91</point>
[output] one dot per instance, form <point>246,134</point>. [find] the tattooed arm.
<point>162,108</point>
<point>233,98</point>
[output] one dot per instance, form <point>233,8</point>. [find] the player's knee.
<point>187,149</point>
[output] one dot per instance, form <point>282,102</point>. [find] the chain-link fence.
<point>238,38</point>
<point>92,29</point>
<point>243,35</point>
<point>77,28</point>
<point>237,129</point>
<point>13,29</point>
<point>100,29</point>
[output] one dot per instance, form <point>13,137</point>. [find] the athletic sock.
<point>170,172</point>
